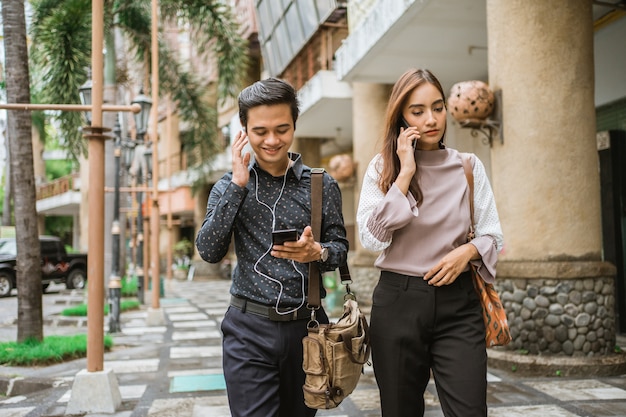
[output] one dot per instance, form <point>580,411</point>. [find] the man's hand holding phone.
<point>302,249</point>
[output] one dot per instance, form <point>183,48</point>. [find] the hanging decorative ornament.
<point>341,167</point>
<point>471,100</point>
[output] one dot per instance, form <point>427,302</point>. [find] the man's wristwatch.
<point>323,253</point>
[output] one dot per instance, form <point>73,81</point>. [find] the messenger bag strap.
<point>317,174</point>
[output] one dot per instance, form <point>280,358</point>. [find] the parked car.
<point>57,265</point>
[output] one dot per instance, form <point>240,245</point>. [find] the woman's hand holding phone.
<point>406,126</point>
<point>407,141</point>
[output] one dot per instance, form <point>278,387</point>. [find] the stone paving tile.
<point>14,412</point>
<point>196,371</point>
<point>506,393</point>
<point>194,324</point>
<point>132,366</point>
<point>604,409</point>
<point>187,316</point>
<point>195,352</point>
<point>530,411</point>
<point>143,330</point>
<point>198,334</point>
<point>578,390</point>
<point>197,383</point>
<point>180,309</point>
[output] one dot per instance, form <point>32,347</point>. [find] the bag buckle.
<point>313,323</point>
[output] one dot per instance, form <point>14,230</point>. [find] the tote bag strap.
<point>469,174</point>
<point>317,174</point>
<point>314,300</point>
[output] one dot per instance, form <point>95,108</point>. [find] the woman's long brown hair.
<point>405,85</point>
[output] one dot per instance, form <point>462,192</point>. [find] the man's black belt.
<point>269,312</point>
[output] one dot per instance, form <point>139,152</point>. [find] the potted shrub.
<point>182,258</point>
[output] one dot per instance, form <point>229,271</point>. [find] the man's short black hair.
<point>268,92</point>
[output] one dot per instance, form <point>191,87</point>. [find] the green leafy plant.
<point>182,252</point>
<point>129,286</point>
<point>53,349</point>
<point>81,309</point>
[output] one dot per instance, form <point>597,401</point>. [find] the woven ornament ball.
<point>341,167</point>
<point>470,100</point>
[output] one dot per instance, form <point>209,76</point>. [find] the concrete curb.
<point>537,365</point>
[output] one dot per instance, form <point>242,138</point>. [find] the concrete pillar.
<point>369,103</point>
<point>558,293</point>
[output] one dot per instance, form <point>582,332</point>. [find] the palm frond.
<point>214,25</point>
<point>194,107</point>
<point>61,33</point>
<point>133,17</point>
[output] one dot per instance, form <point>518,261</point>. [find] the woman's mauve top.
<point>413,239</point>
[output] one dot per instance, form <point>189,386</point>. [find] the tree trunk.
<point>29,290</point>
<point>7,218</point>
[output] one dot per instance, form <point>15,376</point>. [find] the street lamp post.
<point>115,284</point>
<point>156,316</point>
<point>141,126</point>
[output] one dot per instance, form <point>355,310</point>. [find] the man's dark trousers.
<point>263,365</point>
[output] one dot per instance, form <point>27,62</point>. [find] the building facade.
<point>549,63</point>
<point>557,68</point>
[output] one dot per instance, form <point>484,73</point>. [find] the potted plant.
<point>182,260</point>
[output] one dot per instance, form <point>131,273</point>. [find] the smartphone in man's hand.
<point>279,237</point>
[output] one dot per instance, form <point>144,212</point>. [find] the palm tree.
<point>61,35</point>
<point>30,321</point>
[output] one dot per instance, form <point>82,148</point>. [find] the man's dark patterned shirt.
<point>251,213</point>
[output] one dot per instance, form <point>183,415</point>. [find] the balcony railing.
<point>57,187</point>
<point>317,55</point>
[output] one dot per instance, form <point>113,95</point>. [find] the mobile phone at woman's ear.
<point>406,125</point>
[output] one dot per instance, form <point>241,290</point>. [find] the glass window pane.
<point>308,16</point>
<point>294,28</point>
<point>281,39</point>
<point>277,11</point>
<point>270,58</point>
<point>265,19</point>
<point>325,8</point>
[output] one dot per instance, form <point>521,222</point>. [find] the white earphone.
<point>272,210</point>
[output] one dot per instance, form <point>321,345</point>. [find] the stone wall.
<point>553,308</point>
<point>573,317</point>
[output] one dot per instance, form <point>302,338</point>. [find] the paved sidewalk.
<point>175,370</point>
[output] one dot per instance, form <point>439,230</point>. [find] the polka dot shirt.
<point>250,214</point>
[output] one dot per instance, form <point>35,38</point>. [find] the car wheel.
<point>6,284</point>
<point>76,279</point>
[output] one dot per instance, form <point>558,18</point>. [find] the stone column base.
<point>559,308</point>
<point>538,365</point>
